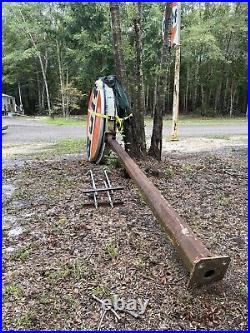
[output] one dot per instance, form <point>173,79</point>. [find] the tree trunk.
<point>155,149</point>
<point>217,96</point>
<point>147,100</point>
<point>176,94</point>
<point>139,110</point>
<point>67,92</point>
<point>39,92</point>
<point>195,85</point>
<point>45,84</point>
<point>187,90</point>
<point>58,51</point>
<point>232,95</point>
<point>129,134</point>
<point>203,101</point>
<point>154,98</point>
<point>40,61</point>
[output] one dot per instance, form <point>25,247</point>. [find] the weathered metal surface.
<point>104,189</point>
<point>94,187</point>
<point>203,266</point>
<point>109,189</point>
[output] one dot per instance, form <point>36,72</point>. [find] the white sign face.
<point>176,23</point>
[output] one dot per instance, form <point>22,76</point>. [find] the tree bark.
<point>154,98</point>
<point>67,92</point>
<point>187,90</point>
<point>39,92</point>
<point>147,100</point>
<point>217,96</point>
<point>155,149</point>
<point>139,110</point>
<point>225,95</point>
<point>232,95</point>
<point>40,61</point>
<point>129,134</point>
<point>196,82</point>
<point>60,69</point>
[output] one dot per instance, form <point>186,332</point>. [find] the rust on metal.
<point>204,267</point>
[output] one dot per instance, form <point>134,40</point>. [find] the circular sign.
<point>96,124</point>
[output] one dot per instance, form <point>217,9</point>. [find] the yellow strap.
<point>119,121</point>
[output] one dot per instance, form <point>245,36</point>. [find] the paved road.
<point>25,130</point>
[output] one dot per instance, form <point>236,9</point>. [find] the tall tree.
<point>139,100</point>
<point>155,149</point>
<point>132,139</point>
<point>74,42</point>
<point>32,37</point>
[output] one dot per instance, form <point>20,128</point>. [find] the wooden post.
<point>174,132</point>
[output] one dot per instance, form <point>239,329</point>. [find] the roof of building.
<point>4,95</point>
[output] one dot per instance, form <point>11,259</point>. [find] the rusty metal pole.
<point>202,265</point>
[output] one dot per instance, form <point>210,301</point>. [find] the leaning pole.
<point>203,266</point>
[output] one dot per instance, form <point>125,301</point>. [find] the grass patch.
<point>21,255</point>
<point>79,269</point>
<point>223,200</point>
<point>142,200</point>
<point>54,277</point>
<point>244,291</point>
<point>187,120</point>
<point>110,249</point>
<point>70,121</point>
<point>13,289</point>
<point>188,168</point>
<point>169,172</point>
<point>62,220</point>
<point>113,162</point>
<point>27,319</point>
<point>43,150</point>
<point>101,291</point>
<point>81,120</point>
<point>71,146</point>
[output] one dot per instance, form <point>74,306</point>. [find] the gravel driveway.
<point>27,130</point>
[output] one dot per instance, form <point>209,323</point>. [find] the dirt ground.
<point>58,250</point>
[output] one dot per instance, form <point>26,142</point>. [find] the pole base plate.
<point>208,270</point>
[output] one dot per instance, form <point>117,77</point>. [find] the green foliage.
<point>79,121</point>
<point>110,249</point>
<point>14,289</point>
<point>244,291</point>
<point>78,35</point>
<point>169,172</point>
<point>142,199</point>
<point>113,161</point>
<point>54,277</point>
<point>188,168</point>
<point>27,319</point>
<point>101,291</point>
<point>71,146</point>
<point>21,254</point>
<point>223,200</point>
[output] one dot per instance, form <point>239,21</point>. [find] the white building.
<point>8,104</point>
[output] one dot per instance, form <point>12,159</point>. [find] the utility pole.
<point>175,42</point>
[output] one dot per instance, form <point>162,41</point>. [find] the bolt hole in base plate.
<point>208,270</point>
